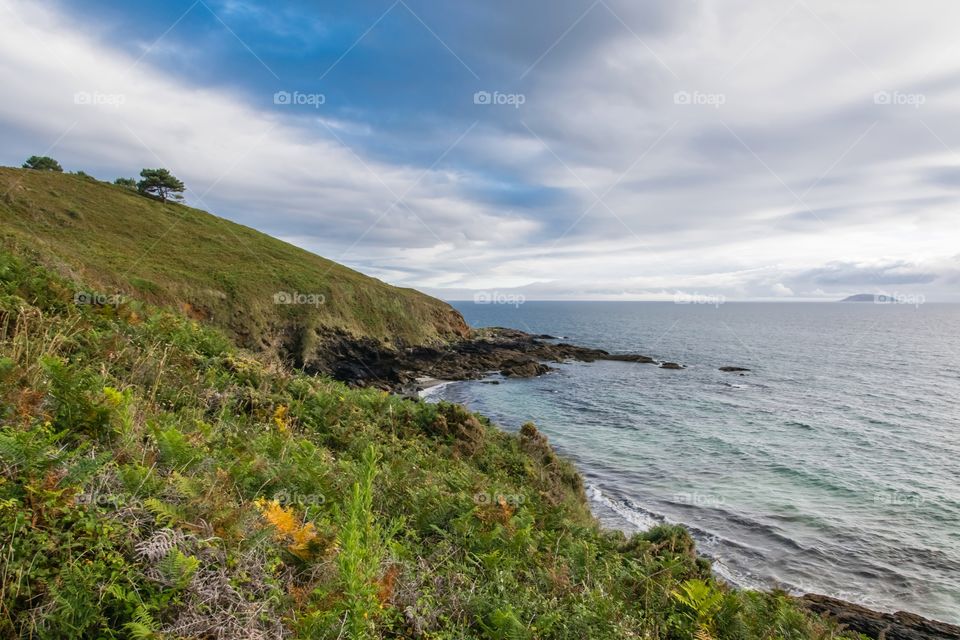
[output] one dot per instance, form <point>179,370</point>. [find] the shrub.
<point>42,163</point>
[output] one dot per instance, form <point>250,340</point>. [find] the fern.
<point>701,602</point>
<point>159,545</point>
<point>143,626</point>
<point>178,568</point>
<point>165,514</point>
<point>175,448</point>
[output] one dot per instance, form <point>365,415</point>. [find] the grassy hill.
<point>159,481</point>
<point>116,241</point>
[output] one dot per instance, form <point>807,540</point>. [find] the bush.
<point>42,163</point>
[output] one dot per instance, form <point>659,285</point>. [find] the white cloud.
<point>276,172</point>
<point>796,170</point>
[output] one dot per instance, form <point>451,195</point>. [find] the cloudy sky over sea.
<point>552,148</point>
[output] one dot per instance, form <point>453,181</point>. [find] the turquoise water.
<point>832,467</point>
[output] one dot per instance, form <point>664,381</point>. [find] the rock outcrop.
<point>881,626</point>
<point>510,352</point>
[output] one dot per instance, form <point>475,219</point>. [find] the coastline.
<point>873,623</point>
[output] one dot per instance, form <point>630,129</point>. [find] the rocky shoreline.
<point>881,626</point>
<point>509,352</point>
<point>517,354</point>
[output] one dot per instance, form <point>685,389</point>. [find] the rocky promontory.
<point>509,352</point>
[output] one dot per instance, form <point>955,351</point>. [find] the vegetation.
<point>213,270</point>
<point>127,183</point>
<point>157,482</point>
<point>42,163</point>
<point>160,183</point>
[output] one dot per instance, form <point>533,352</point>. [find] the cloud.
<point>260,167</point>
<point>661,147</point>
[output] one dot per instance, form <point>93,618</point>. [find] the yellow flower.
<point>280,419</point>
<point>113,396</point>
<point>288,527</point>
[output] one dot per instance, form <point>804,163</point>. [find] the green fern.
<point>178,568</point>
<point>701,602</point>
<point>143,626</point>
<point>165,514</point>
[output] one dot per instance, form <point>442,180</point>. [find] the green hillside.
<point>160,481</point>
<point>118,241</point>
<point>157,482</point>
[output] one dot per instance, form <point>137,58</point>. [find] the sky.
<point>549,149</point>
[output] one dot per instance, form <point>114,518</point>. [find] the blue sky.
<point>608,149</point>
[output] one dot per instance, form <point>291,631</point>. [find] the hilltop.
<point>266,294</point>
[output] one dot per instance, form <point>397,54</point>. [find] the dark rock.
<point>733,369</point>
<point>886,626</point>
<point>670,365</point>
<point>630,357</point>
<point>510,351</point>
<point>523,369</point>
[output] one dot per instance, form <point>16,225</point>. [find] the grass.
<point>115,240</point>
<point>157,481</point>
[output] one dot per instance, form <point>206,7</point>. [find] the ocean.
<point>832,467</point>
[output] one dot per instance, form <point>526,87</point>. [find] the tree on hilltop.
<point>42,163</point>
<point>159,183</point>
<point>127,183</point>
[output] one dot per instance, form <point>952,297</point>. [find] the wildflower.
<point>280,419</point>
<point>288,527</point>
